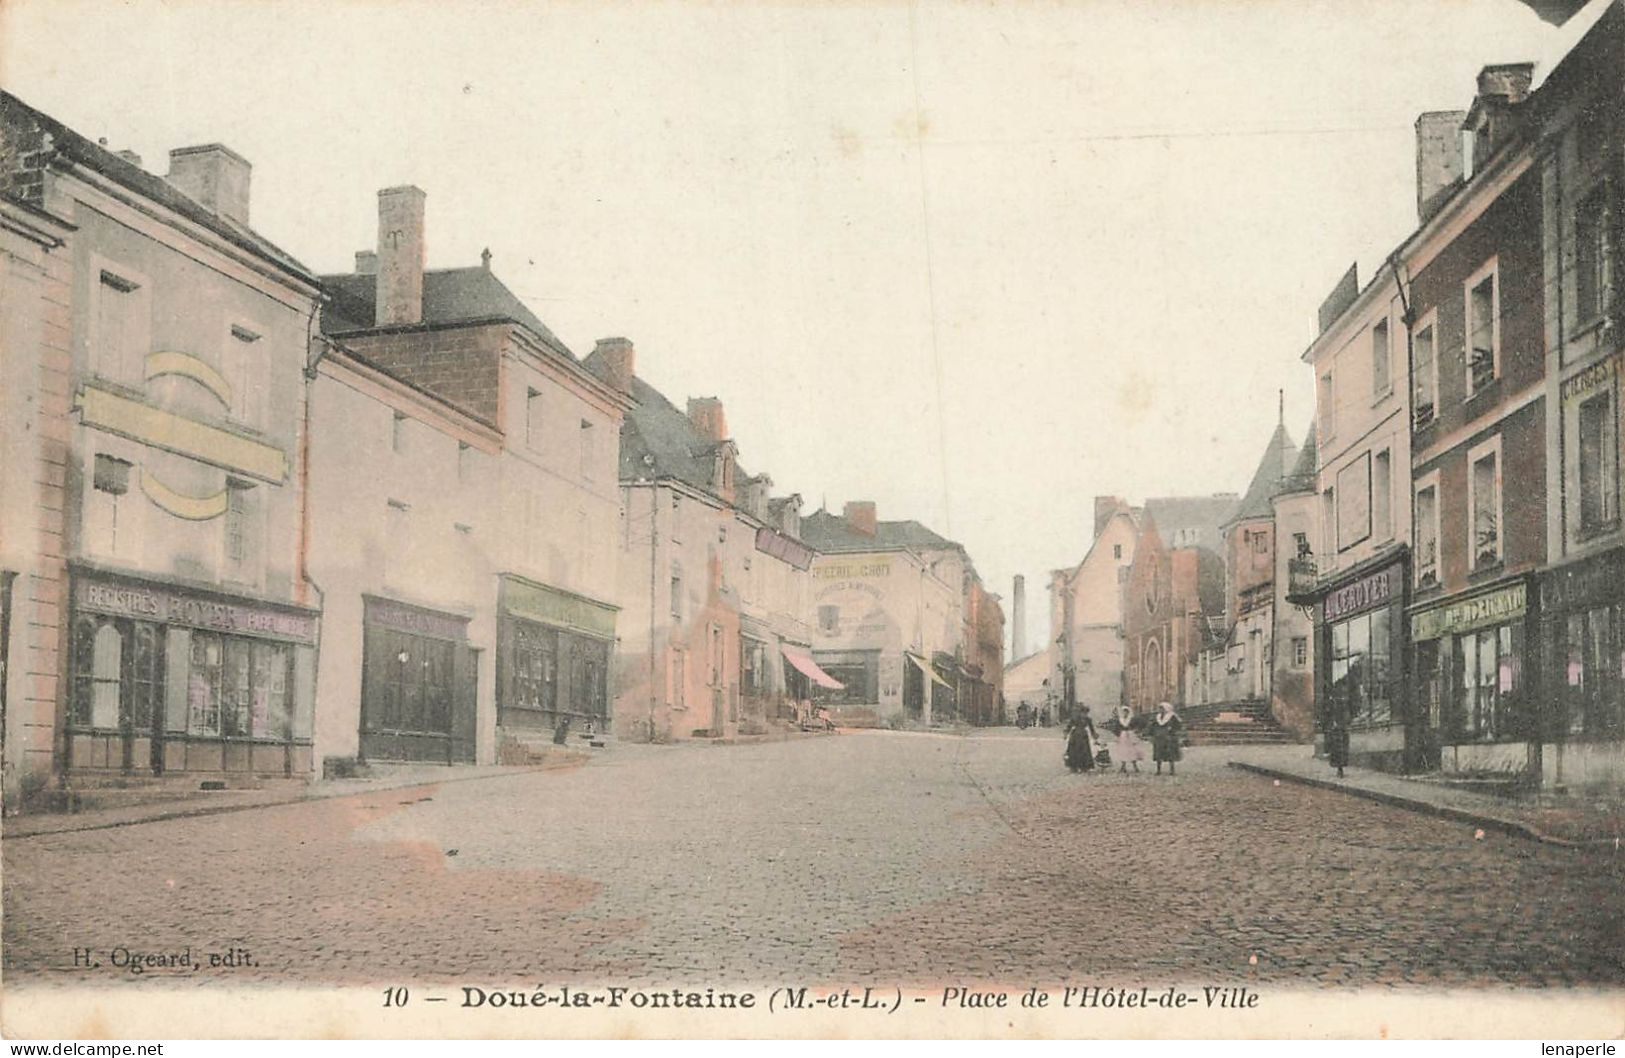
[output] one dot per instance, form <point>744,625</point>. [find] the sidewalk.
<point>194,802</point>
<point>1570,822</point>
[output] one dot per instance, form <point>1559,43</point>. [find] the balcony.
<point>1301,578</point>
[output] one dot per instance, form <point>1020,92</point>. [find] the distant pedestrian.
<point>1167,731</point>
<point>1081,742</point>
<point>1337,740</point>
<point>561,731</point>
<point>1130,747</point>
<point>1043,716</point>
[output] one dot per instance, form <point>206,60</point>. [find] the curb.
<point>184,812</point>
<point>1513,827</point>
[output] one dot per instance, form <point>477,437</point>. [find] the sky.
<point>977,262</point>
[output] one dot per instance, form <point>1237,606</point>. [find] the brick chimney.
<point>1438,159</point>
<point>706,415</point>
<point>214,176</point>
<point>1018,619</point>
<point>366,262</point>
<point>860,515</point>
<point>401,251</point>
<point>1493,118</point>
<point>620,362</point>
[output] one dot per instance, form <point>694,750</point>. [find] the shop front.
<point>1474,656</point>
<point>1361,687</point>
<point>1582,722</point>
<point>553,654</point>
<point>417,684</point>
<point>166,678</point>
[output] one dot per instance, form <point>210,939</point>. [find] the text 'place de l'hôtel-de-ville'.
<point>260,524</point>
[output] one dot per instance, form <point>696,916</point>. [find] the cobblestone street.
<point>898,858</point>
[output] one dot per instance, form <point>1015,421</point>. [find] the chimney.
<point>620,363</point>
<point>1105,507</point>
<point>131,157</point>
<point>1018,619</point>
<point>860,515</point>
<point>366,262</point>
<point>1492,119</point>
<point>214,176</point>
<point>1438,159</point>
<point>401,253</point>
<point>706,415</point>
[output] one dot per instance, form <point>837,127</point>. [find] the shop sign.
<point>1367,593</point>
<point>1491,608</point>
<point>1588,583</point>
<point>846,570</point>
<point>782,547</point>
<point>535,602</point>
<point>165,605</point>
<point>1582,383</point>
<point>399,616</point>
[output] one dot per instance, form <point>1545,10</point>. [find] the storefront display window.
<point>238,688</point>
<point>1490,664</point>
<point>1360,669</point>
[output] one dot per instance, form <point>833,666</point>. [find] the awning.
<point>805,664</point>
<point>925,667</point>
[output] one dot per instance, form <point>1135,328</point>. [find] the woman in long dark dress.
<point>1080,742</point>
<point>1167,731</point>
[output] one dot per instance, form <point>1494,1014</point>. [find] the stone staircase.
<point>1233,723</point>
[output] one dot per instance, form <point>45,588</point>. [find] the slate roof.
<point>66,143</point>
<point>1202,513</point>
<point>450,295</point>
<point>1302,476</point>
<point>833,534</point>
<point>1278,457</point>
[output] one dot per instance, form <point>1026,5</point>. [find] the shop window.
<point>1593,263</point>
<point>752,666</point>
<point>1360,669</point>
<point>1483,330</point>
<point>535,667</point>
<point>1489,662</point>
<point>1427,535</point>
<point>1424,375</point>
<point>107,676</point>
<point>1594,672</point>
<point>1382,491</point>
<point>239,688</point>
<point>1599,464</point>
<point>1484,486</point>
<point>1381,383</point>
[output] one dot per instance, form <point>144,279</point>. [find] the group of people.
<point>1032,715</point>
<point>1085,750</point>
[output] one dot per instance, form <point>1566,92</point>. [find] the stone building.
<point>464,486</point>
<point>1086,613</point>
<point>1578,120</point>
<point>1479,426</point>
<point>1163,619</point>
<point>160,623</point>
<point>1296,509</point>
<point>888,616</point>
<point>714,578</point>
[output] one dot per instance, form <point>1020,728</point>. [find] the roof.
<point>831,533</point>
<point>1301,478</point>
<point>68,144</point>
<point>1202,513</point>
<point>450,296</point>
<point>658,440</point>
<point>1278,458</point>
